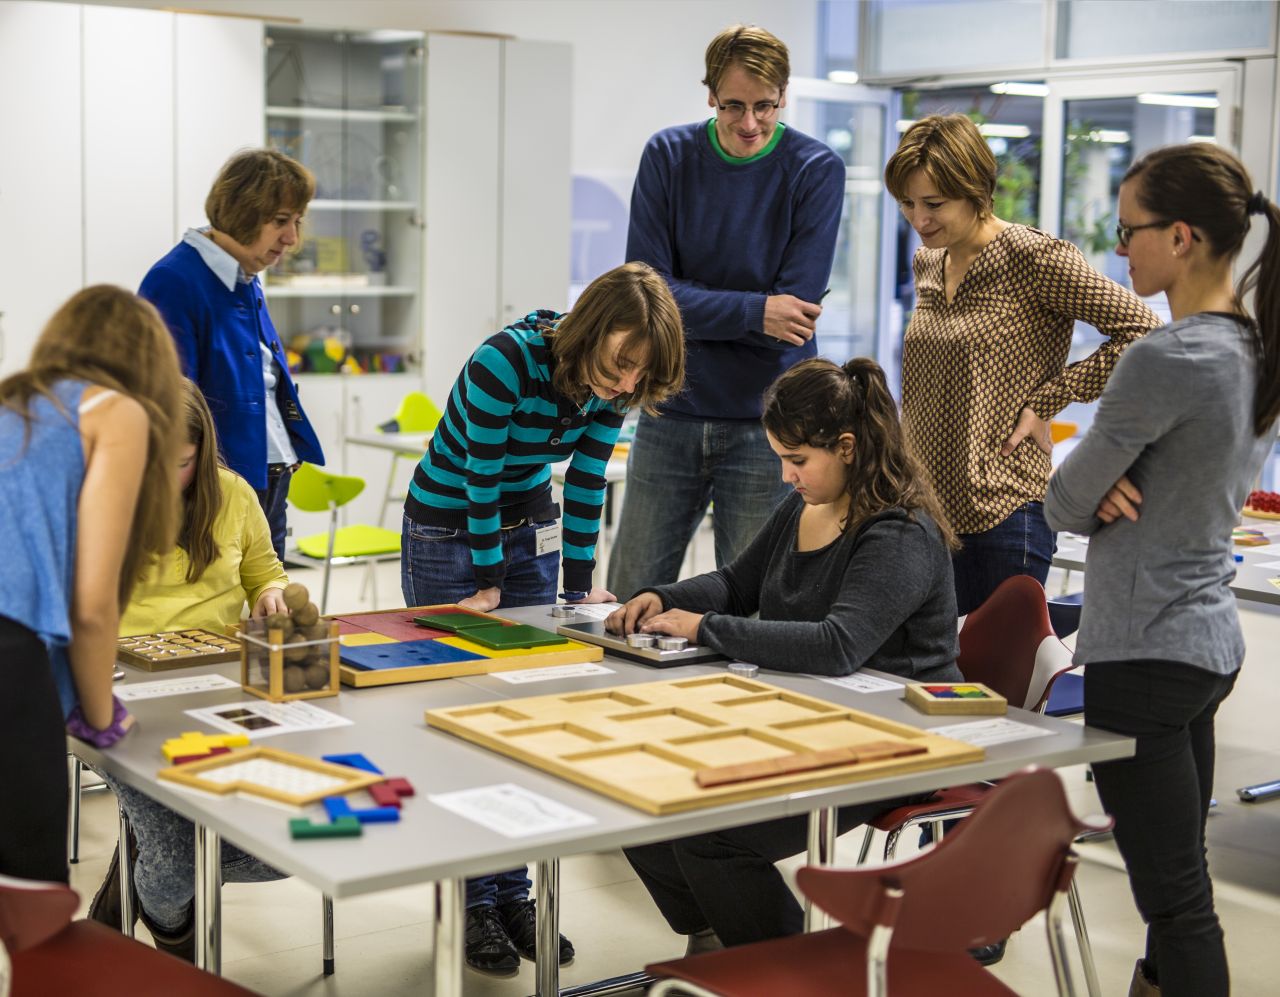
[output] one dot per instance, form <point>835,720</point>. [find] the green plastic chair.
<point>314,490</point>
<point>417,414</point>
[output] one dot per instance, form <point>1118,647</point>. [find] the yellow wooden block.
<point>489,652</point>
<point>193,742</point>
<point>364,639</point>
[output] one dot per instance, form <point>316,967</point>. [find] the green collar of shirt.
<point>742,160</point>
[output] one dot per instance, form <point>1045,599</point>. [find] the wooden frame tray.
<point>267,772</point>
<point>170,649</point>
<point>644,745</point>
<point>479,661</point>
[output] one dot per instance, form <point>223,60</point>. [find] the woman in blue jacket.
<point>208,292</point>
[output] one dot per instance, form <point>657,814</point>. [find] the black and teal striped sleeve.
<point>584,492</point>
<point>493,386</point>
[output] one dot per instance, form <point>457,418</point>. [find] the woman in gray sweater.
<point>1183,428</point>
<point>852,571</point>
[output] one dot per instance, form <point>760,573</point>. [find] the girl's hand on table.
<point>484,601</point>
<point>633,613</point>
<point>1122,499</point>
<point>675,623</point>
<point>271,601</point>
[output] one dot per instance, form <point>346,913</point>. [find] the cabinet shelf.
<point>386,291</point>
<point>330,204</point>
<point>340,114</point>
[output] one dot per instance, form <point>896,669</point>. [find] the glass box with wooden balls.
<point>290,655</point>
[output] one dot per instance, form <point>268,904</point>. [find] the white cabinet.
<point>115,122</point>
<point>497,191</point>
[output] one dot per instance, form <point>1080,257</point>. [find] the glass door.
<point>855,121</point>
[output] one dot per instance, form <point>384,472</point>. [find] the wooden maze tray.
<point>666,747</point>
<point>386,647</point>
<point>171,649</point>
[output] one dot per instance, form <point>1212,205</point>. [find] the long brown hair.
<point>632,298</point>
<point>106,336</point>
<point>1209,189</point>
<point>202,500</point>
<point>815,402</point>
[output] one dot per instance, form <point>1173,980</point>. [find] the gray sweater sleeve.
<point>886,580</point>
<point>1142,401</point>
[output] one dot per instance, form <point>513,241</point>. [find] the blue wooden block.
<point>405,655</point>
<point>337,806</point>
<point>377,815</point>
<point>354,761</point>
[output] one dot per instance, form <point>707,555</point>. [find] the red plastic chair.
<point>51,954</point>
<point>906,927</point>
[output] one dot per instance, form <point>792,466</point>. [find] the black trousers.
<point>726,880</point>
<point>33,827</point>
<point>1160,799</point>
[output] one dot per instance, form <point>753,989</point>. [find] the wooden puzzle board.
<point>171,649</point>
<point>377,640</point>
<point>643,744</point>
<point>269,772</point>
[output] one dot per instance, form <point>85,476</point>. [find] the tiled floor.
<point>272,931</point>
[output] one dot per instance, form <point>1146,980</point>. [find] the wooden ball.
<point>319,631</point>
<point>295,679</point>
<point>296,595</point>
<point>295,649</point>
<point>281,622</point>
<point>317,676</point>
<point>306,616</point>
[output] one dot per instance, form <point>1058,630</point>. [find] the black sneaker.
<point>989,955</point>
<point>106,907</point>
<point>488,946</point>
<point>520,919</point>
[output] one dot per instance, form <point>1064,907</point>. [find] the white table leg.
<point>208,925</point>
<point>822,851</point>
<point>448,928</point>
<point>548,961</point>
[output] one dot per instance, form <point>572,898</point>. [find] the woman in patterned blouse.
<point>984,361</point>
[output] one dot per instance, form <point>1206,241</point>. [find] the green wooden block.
<point>343,827</point>
<point>454,623</point>
<point>506,638</point>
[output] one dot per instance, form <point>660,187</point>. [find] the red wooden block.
<point>183,759</point>
<point>401,785</point>
<point>384,796</point>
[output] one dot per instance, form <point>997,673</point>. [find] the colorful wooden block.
<point>520,635</point>
<point>956,699</point>
<point>354,760</point>
<point>397,626</point>
<point>338,808</point>
<point>404,655</point>
<point>402,786</point>
<point>363,639</point>
<point>193,742</point>
<point>183,759</point>
<point>455,622</point>
<point>343,827</point>
<point>389,793</point>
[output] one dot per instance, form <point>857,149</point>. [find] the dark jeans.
<point>726,880</point>
<point>435,568</point>
<point>274,504</point>
<point>1022,545</point>
<point>1160,799</point>
<point>677,467</point>
<point>33,831</point>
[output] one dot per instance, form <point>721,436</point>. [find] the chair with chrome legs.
<point>906,928</point>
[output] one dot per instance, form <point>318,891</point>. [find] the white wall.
<point>636,63</point>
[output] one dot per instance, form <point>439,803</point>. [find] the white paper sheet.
<point>552,672</point>
<point>259,718</point>
<point>511,811</point>
<point>983,733</point>
<point>1266,564</point>
<point>859,682</point>
<point>174,687</point>
<point>593,610</point>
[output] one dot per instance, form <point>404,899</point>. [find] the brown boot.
<point>180,941</point>
<point>1141,986</point>
<point>106,907</point>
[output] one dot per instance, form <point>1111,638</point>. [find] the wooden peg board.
<point>268,772</point>
<point>163,652</point>
<point>956,699</point>
<point>644,744</point>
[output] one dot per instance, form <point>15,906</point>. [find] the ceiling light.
<point>842,76</point>
<point>991,130</point>
<point>1016,89</point>
<point>1177,100</point>
<point>1202,138</point>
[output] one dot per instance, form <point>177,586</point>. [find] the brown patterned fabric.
<point>970,367</point>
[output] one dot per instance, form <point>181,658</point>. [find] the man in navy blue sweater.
<point>740,215</point>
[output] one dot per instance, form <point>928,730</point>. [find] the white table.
<point>430,844</point>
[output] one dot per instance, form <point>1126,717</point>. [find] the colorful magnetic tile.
<point>397,626</point>
<point>354,760</point>
<point>404,655</point>
<point>343,827</point>
<point>520,635</point>
<point>363,639</point>
<point>193,742</point>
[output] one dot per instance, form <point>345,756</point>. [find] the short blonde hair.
<point>761,54</point>
<point>251,187</point>
<point>632,298</point>
<point>952,153</point>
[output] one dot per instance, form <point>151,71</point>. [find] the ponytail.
<point>815,402</point>
<point>1263,277</point>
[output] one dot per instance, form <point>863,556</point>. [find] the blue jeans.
<point>676,469</point>
<point>435,568</point>
<point>1022,545</point>
<point>1160,799</point>
<point>274,505</point>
